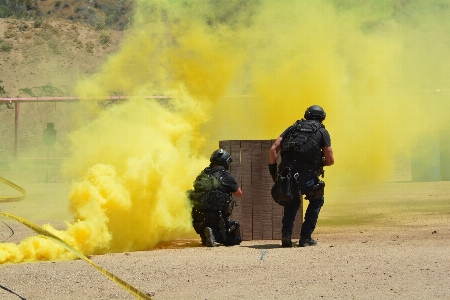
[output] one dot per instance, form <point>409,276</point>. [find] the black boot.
<point>286,241</point>
<point>209,237</point>
<point>305,242</point>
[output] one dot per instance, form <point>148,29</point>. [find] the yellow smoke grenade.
<point>374,66</point>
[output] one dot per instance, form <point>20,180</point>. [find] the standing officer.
<point>305,148</point>
<point>212,202</point>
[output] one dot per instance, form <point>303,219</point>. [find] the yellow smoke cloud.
<point>374,66</point>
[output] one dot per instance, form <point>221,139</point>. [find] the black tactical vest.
<point>304,138</point>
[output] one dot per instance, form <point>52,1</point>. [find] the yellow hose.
<point>14,186</point>
<point>39,230</point>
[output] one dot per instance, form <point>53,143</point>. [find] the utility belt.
<point>309,184</point>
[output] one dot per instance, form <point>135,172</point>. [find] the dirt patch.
<point>382,263</point>
<point>397,253</point>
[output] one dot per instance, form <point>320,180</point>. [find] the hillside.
<point>45,57</point>
<point>102,14</point>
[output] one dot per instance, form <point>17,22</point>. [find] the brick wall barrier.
<point>259,216</point>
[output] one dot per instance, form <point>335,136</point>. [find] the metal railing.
<point>17,100</point>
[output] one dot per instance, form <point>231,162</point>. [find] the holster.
<point>229,206</point>
<point>316,191</point>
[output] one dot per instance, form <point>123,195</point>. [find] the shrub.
<point>2,90</point>
<point>23,26</point>
<point>105,38</point>
<point>5,12</point>
<point>101,22</point>
<point>37,23</point>
<point>5,46</point>
<point>90,47</point>
<point>9,33</point>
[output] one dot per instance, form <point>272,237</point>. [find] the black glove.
<point>273,170</point>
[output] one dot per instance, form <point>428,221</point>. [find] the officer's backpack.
<point>206,195</point>
<point>300,138</point>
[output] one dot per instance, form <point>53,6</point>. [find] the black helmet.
<point>221,157</point>
<point>315,112</point>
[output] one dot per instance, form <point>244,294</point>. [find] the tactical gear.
<point>310,185</point>
<point>204,182</point>
<point>285,190</point>
<point>315,112</point>
<point>316,191</point>
<point>212,207</point>
<point>223,230</point>
<point>229,206</point>
<point>206,194</point>
<point>221,157</point>
<point>233,233</point>
<point>303,138</point>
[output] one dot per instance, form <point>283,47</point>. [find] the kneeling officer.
<point>212,202</point>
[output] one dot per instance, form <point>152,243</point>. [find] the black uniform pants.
<point>311,216</point>
<point>225,230</point>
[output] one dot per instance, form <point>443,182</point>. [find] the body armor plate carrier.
<point>301,139</point>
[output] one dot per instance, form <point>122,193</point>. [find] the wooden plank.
<point>266,198</point>
<point>277,213</point>
<point>259,215</point>
<point>256,179</point>
<point>235,169</point>
<point>247,197</point>
<point>226,145</point>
